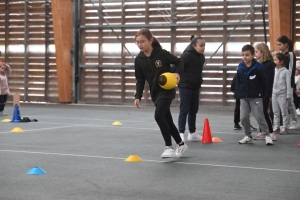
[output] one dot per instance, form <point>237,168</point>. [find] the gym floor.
<point>83,156</point>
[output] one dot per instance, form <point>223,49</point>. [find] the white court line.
<point>98,119</point>
<point>156,161</point>
<point>46,128</point>
<point>81,125</point>
<point>121,127</point>
<point>111,120</point>
<point>102,126</point>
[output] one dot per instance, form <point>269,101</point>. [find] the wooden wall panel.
<point>279,21</point>
<point>26,43</point>
<point>107,75</point>
<point>216,85</point>
<point>62,26</point>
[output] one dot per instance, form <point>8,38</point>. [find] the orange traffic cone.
<point>206,135</point>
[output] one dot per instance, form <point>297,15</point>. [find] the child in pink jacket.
<point>4,90</point>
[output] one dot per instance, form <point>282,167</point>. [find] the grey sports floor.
<point>83,155</point>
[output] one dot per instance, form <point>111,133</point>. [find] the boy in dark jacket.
<point>237,118</point>
<point>251,86</point>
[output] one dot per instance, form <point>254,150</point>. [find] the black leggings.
<point>165,122</point>
<point>267,115</point>
<point>3,99</point>
<point>237,116</point>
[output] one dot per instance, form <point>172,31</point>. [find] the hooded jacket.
<point>191,76</point>
<point>250,81</point>
<point>282,81</point>
<point>297,82</point>
<point>150,68</point>
<point>4,82</point>
<point>290,64</point>
<point>269,69</point>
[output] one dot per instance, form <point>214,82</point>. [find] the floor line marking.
<point>83,125</point>
<point>46,128</point>
<point>104,126</point>
<point>157,161</point>
<point>91,119</point>
<point>99,119</point>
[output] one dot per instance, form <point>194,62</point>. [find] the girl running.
<point>150,63</point>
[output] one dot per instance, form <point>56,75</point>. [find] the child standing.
<point>189,87</point>
<point>285,45</point>
<point>237,110</point>
<point>149,64</point>
<point>4,90</point>
<point>282,93</point>
<point>251,86</point>
<point>297,82</point>
<point>264,56</point>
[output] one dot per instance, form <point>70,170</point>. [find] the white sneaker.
<point>260,136</point>
<point>298,111</point>
<point>293,125</point>
<point>195,137</point>
<point>180,149</point>
<point>273,136</point>
<point>2,113</point>
<point>269,140</point>
<point>168,153</point>
<point>246,140</point>
<point>276,130</point>
<point>182,136</point>
<point>282,128</point>
<point>284,131</point>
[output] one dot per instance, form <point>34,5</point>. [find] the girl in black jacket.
<point>285,45</point>
<point>189,86</point>
<point>150,63</point>
<point>264,56</point>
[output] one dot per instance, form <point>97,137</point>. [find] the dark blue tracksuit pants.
<point>189,105</point>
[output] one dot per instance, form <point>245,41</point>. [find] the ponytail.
<point>291,45</point>
<point>156,43</point>
<point>192,36</point>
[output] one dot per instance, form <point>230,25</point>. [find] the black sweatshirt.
<point>193,62</point>
<point>290,64</point>
<point>269,69</point>
<point>150,68</point>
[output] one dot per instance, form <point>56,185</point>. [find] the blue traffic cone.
<point>36,171</point>
<point>16,116</point>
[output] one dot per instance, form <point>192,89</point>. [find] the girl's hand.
<point>287,99</point>
<point>136,103</point>
<point>177,77</point>
<point>297,92</point>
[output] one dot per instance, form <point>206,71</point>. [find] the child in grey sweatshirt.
<point>281,94</point>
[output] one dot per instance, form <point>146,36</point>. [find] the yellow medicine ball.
<point>167,81</point>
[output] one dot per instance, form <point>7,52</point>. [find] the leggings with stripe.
<point>3,99</point>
